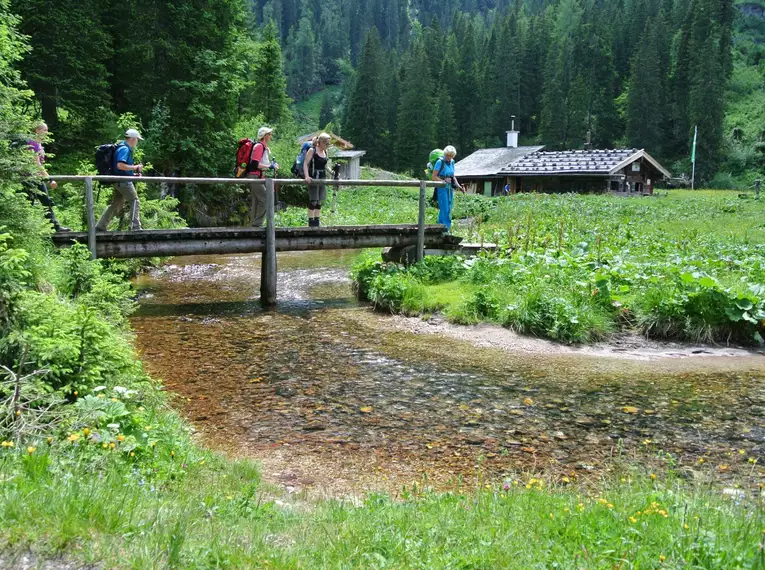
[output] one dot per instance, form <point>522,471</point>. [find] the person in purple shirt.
<point>124,191</point>
<point>34,186</point>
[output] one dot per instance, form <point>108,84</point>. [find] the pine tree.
<point>446,127</point>
<point>58,69</point>
<point>367,114</point>
<point>415,133</point>
<point>706,103</point>
<point>645,127</point>
<point>302,72</point>
<point>270,89</point>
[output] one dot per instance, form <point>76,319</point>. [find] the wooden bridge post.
<point>91,217</point>
<point>421,222</point>
<point>268,263</point>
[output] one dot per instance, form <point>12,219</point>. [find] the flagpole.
<point>693,158</point>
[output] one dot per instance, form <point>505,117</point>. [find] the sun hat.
<point>263,131</point>
<point>133,134</point>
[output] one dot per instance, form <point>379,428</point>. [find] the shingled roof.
<point>491,161</point>
<point>578,162</point>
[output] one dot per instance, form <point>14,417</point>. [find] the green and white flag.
<point>693,152</point>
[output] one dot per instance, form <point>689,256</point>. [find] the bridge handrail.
<point>268,266</point>
<point>244,181</point>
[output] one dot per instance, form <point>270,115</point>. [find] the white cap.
<point>263,131</point>
<point>133,134</point>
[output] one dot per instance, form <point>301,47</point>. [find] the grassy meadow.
<point>682,265</point>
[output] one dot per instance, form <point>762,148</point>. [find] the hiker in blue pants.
<point>444,171</point>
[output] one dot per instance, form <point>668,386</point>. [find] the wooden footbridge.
<point>266,240</point>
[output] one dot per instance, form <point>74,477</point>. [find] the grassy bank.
<point>216,514</point>
<point>580,268</point>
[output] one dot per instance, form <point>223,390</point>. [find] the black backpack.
<point>105,159</point>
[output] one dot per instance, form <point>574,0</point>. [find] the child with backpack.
<point>443,171</point>
<point>34,187</point>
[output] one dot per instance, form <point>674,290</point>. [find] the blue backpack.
<point>297,166</point>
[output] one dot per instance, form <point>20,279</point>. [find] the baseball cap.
<point>263,131</point>
<point>133,134</point>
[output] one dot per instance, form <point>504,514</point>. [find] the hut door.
<point>487,188</point>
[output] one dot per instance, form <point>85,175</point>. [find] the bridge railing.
<point>253,183</point>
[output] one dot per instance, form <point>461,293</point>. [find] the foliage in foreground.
<point>578,268</point>
<point>216,514</point>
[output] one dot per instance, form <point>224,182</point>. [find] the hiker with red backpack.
<point>252,161</point>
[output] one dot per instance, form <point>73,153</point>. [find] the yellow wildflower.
<point>565,479</point>
<point>723,467</point>
<point>18,413</point>
<point>610,505</point>
<point>74,437</point>
<point>120,437</point>
<point>86,432</point>
<point>112,445</point>
<point>701,460</point>
<point>105,445</point>
<point>552,516</point>
<point>132,454</point>
<point>580,506</point>
<point>662,558</point>
<point>50,440</point>
<point>148,428</point>
<point>31,450</point>
<point>633,520</point>
<point>6,444</point>
<point>646,442</point>
<point>76,393</point>
<point>566,510</point>
<point>653,477</point>
<point>686,527</point>
<point>172,454</point>
<point>742,452</point>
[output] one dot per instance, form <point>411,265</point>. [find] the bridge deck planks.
<point>199,241</point>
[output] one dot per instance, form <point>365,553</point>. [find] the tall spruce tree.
<point>706,103</point>
<point>415,126</point>
<point>367,114</point>
<point>269,93</point>
<point>645,124</point>
<point>67,66</point>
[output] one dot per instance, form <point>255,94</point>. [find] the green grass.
<point>217,514</point>
<point>688,265</point>
<point>307,112</point>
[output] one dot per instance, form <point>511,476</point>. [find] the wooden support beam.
<point>91,218</point>
<point>421,223</point>
<point>268,264</point>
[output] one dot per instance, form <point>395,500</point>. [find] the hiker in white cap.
<point>260,161</point>
<point>124,191</point>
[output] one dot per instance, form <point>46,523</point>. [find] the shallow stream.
<point>329,394</point>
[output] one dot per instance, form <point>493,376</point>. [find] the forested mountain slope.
<point>413,74</point>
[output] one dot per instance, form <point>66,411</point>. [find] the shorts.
<point>317,193</point>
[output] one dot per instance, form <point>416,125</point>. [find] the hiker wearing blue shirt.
<point>443,171</point>
<point>124,191</point>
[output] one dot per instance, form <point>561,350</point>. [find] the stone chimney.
<point>512,136</point>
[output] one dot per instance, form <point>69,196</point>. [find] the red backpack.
<point>244,157</point>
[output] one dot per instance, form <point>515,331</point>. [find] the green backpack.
<point>435,155</point>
